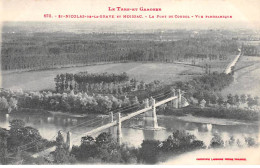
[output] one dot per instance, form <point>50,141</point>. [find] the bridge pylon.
<point>151,122</point>
<point>174,103</point>
<point>179,99</point>
<point>111,119</point>
<point>119,128</point>
<point>68,141</point>
<point>155,122</point>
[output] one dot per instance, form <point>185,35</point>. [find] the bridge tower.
<point>151,117</point>
<point>179,98</point>
<point>155,122</point>
<point>119,128</point>
<point>111,119</point>
<point>68,141</point>
<point>174,103</point>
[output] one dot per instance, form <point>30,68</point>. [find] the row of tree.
<point>67,102</point>
<point>213,98</point>
<point>101,83</point>
<point>43,51</point>
<point>251,50</point>
<point>86,77</point>
<point>205,87</point>
<point>242,99</point>
<point>69,81</point>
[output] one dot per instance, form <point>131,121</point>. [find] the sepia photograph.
<point>134,82</point>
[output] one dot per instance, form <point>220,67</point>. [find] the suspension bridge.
<point>148,108</point>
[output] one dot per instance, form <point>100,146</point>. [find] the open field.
<point>246,61</point>
<point>40,80</point>
<point>218,65</point>
<point>247,77</point>
<point>215,65</point>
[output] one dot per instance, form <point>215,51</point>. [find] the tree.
<point>256,100</point>
<point>3,104</point>
<point>103,149</point>
<point>149,151</point>
<point>126,102</point>
<point>103,138</point>
<point>243,98</point>
<point>128,154</point>
<point>61,153</point>
<point>59,140</point>
<point>250,101</point>
<point>16,124</point>
<point>236,99</point>
<point>135,101</point>
<point>230,99</point>
<point>3,146</point>
<point>220,100</point>
<point>62,156</point>
<point>250,141</point>
<point>213,99</point>
<point>21,135</point>
<point>13,103</point>
<point>179,141</point>
<point>216,142</point>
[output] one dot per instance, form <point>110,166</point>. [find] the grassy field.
<point>247,77</point>
<point>40,80</point>
<point>216,65</point>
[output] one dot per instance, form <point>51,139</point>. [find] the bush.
<point>216,142</point>
<point>149,151</point>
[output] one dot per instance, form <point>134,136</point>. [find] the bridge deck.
<point>129,116</point>
<point>114,123</point>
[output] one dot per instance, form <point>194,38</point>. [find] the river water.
<point>133,132</point>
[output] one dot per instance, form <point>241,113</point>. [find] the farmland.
<point>246,77</point>
<point>147,72</point>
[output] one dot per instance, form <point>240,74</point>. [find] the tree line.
<point>42,51</point>
<point>103,149</point>
<point>67,102</point>
<point>205,87</point>
<point>103,83</point>
<point>236,100</point>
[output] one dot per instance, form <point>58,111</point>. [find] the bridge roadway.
<point>104,127</point>
<point>111,124</point>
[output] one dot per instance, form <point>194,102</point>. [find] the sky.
<point>245,12</point>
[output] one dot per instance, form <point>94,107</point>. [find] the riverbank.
<point>55,113</point>
<point>59,113</point>
<point>209,120</point>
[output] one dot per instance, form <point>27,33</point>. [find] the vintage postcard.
<point>130,82</point>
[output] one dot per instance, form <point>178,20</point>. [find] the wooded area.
<point>50,50</point>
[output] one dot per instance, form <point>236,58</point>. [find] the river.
<point>133,132</point>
